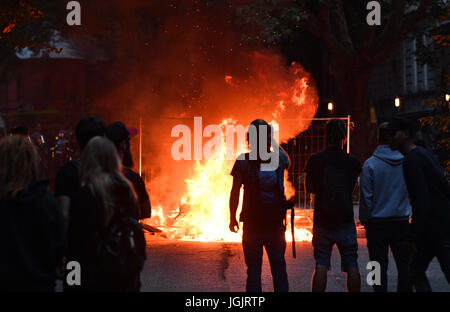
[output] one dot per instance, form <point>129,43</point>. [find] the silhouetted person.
<point>120,136</point>
<point>262,211</point>
<point>331,176</point>
<point>384,210</point>
<point>31,225</point>
<point>67,182</point>
<point>2,128</point>
<point>429,194</point>
<point>19,130</point>
<point>105,198</point>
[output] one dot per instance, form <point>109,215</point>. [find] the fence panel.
<point>309,142</point>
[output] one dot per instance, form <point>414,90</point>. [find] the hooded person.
<point>384,210</point>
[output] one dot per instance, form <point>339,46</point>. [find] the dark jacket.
<point>144,207</point>
<point>86,225</point>
<point>32,240</point>
<point>429,194</point>
<point>68,184</point>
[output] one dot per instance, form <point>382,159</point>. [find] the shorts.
<point>344,236</point>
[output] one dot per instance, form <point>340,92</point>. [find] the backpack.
<point>267,213</point>
<point>121,248</point>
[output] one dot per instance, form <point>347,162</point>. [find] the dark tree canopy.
<point>28,24</point>
<point>354,48</point>
<point>341,25</point>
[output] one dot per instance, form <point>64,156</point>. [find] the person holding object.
<point>264,206</point>
<point>384,210</point>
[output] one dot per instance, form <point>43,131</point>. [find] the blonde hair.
<point>100,170</point>
<point>19,165</point>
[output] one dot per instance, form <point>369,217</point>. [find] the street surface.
<point>177,266</point>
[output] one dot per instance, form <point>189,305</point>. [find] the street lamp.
<point>447,97</point>
<point>397,102</point>
<point>330,106</point>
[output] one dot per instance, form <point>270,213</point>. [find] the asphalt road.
<point>178,266</point>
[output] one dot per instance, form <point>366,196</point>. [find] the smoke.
<point>178,59</point>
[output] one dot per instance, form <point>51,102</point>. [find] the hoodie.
<point>383,193</point>
<point>32,240</point>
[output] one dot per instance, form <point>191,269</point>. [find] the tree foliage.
<point>340,25</point>
<point>354,47</point>
<point>27,24</point>
<point>434,54</point>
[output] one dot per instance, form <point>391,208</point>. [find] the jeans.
<point>344,236</point>
<point>426,251</point>
<point>394,234</point>
<point>273,239</point>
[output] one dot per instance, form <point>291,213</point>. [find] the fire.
<point>202,212</point>
<point>228,79</point>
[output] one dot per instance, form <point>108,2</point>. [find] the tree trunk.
<point>353,88</point>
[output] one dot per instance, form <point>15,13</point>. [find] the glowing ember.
<point>228,79</point>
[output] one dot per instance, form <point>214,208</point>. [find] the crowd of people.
<point>404,206</point>
<point>92,219</point>
<point>93,216</point>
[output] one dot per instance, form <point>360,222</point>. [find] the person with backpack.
<point>384,210</point>
<point>263,211</point>
<point>331,176</point>
<point>32,234</point>
<point>429,195</point>
<point>107,242</point>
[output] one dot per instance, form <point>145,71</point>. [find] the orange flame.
<point>203,212</point>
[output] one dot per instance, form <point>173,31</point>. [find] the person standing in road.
<point>263,211</point>
<point>429,194</point>
<point>384,210</point>
<point>331,176</point>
